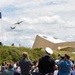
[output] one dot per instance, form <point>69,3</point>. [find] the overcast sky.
<point>54,18</point>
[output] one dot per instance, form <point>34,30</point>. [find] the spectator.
<point>47,63</point>
<point>0,73</point>
<point>9,71</point>
<point>73,71</point>
<point>25,64</point>
<point>35,70</point>
<point>17,71</point>
<point>15,65</point>
<point>2,67</point>
<point>56,70</point>
<point>65,66</point>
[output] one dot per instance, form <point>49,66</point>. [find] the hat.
<point>49,50</point>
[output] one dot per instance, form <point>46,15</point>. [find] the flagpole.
<point>1,27</point>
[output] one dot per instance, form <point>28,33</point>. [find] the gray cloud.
<point>46,17</point>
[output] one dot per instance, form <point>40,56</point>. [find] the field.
<point>68,50</point>
<point>12,53</point>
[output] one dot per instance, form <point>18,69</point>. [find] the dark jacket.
<point>46,65</point>
<point>25,66</point>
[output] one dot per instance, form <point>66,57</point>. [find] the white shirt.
<point>55,72</point>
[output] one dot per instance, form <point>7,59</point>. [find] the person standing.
<point>9,70</point>
<point>73,71</point>
<point>46,63</point>
<point>2,67</point>
<point>25,64</point>
<point>65,66</point>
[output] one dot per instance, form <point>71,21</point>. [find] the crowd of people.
<point>45,66</point>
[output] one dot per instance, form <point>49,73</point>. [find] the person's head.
<point>74,67</point>
<point>35,63</point>
<point>10,66</point>
<point>3,64</point>
<point>56,67</point>
<point>48,50</point>
<point>62,57</point>
<point>25,55</point>
<point>66,57</point>
<point>59,55</point>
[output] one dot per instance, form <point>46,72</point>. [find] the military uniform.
<point>46,65</point>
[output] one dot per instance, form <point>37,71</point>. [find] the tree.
<point>1,44</point>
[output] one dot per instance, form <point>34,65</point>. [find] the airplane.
<point>18,22</point>
<point>12,27</point>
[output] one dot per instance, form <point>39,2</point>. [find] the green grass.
<point>67,50</point>
<point>12,53</point>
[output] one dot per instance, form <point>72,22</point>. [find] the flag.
<point>0,15</point>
